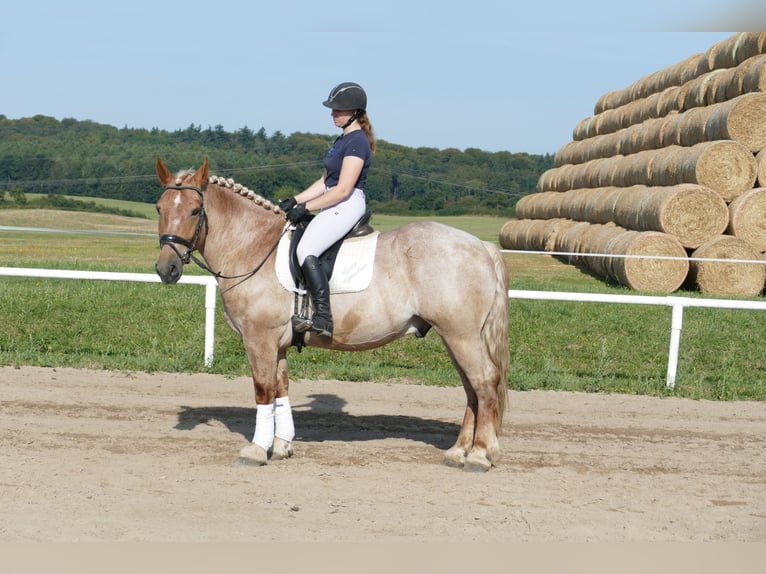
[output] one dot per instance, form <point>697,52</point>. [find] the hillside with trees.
<point>44,155</point>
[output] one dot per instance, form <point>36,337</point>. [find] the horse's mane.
<point>229,183</point>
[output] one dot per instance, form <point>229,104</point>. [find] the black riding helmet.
<point>347,96</point>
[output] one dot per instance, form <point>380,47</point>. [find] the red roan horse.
<point>426,275</point>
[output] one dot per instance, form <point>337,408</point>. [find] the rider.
<point>338,195</point>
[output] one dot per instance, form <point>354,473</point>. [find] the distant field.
<point>148,327</point>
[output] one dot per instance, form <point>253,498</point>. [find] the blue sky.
<point>492,75</point>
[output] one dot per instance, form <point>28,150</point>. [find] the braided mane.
<point>244,191</point>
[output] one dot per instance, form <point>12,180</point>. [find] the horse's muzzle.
<point>169,269</point>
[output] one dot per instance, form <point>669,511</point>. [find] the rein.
<point>191,244</point>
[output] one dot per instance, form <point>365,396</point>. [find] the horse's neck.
<point>241,232</point>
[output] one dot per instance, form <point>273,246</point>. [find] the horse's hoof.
<point>282,449</point>
<point>252,455</point>
<point>454,457</point>
<point>476,462</point>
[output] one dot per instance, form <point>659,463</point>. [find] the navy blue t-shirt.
<point>355,144</point>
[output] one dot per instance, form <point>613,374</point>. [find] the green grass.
<point>554,345</point>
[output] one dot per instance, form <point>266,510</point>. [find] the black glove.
<point>287,204</point>
<point>298,213</point>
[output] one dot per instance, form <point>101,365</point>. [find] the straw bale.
<point>747,218</point>
<point>546,181</point>
<point>584,129</point>
<point>606,205</point>
<point>742,119</point>
<point>727,167</point>
<point>648,273</point>
<point>542,205</point>
<point>667,101</point>
<point>599,245</point>
<point>737,277</point>
<point>691,128</point>
<point>523,234</point>
<point>696,91</point>
<point>689,212</point>
<point>567,235</point>
<point>746,45</point>
<point>627,212</point>
<point>663,166</point>
<point>760,168</point>
<point>592,210</point>
<point>752,77</point>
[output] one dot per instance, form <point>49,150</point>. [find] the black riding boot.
<point>319,290</point>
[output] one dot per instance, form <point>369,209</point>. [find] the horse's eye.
<point>157,207</point>
<point>196,212</point>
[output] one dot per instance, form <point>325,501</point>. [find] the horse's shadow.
<point>323,419</point>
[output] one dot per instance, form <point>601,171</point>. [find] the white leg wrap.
<point>264,426</point>
<point>283,418</point>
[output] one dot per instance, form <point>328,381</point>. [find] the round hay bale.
<point>691,128</point>
<point>696,91</point>
<point>742,119</point>
<point>541,205</point>
<point>689,212</point>
<point>567,238</point>
<point>627,210</point>
<point>747,218</point>
<point>727,167</point>
<point>751,76</point>
<point>681,72</point>
<point>746,45</point>
<point>584,129</point>
<point>599,246</point>
<point>592,210</point>
<point>514,233</point>
<point>665,166</point>
<point>723,277</point>
<point>760,168</point>
<point>667,101</point>
<point>645,267</point>
<point>606,205</point>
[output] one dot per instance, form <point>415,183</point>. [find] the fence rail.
<point>206,280</point>
<point>677,304</point>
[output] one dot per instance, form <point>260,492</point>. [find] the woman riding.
<point>338,195</point>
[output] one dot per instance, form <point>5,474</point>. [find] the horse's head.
<point>183,222</point>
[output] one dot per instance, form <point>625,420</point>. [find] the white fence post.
<point>676,324</point>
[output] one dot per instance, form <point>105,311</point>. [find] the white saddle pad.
<point>353,265</point>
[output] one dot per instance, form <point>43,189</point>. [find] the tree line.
<point>41,154</point>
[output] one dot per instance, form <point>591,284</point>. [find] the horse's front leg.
<point>284,428</point>
<point>274,428</point>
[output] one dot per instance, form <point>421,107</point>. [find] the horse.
<point>426,275</point>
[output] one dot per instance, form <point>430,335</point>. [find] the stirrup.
<point>322,328</point>
<point>301,324</point>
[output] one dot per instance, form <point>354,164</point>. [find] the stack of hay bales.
<point>673,166</point>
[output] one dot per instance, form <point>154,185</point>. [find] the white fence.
<point>676,303</point>
<point>677,315</point>
<point>206,280</point>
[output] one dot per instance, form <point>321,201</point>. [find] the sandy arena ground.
<point>112,456</point>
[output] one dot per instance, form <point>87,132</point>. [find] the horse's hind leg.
<point>477,446</point>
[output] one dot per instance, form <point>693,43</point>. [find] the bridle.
<point>191,244</point>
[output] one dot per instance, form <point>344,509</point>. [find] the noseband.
<point>190,244</point>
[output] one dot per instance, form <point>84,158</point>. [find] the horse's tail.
<point>495,331</point>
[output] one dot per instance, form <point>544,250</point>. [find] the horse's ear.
<point>200,176</point>
<point>166,178</point>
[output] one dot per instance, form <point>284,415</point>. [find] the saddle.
<point>327,260</point>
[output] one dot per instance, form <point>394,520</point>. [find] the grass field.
<point>150,327</point>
